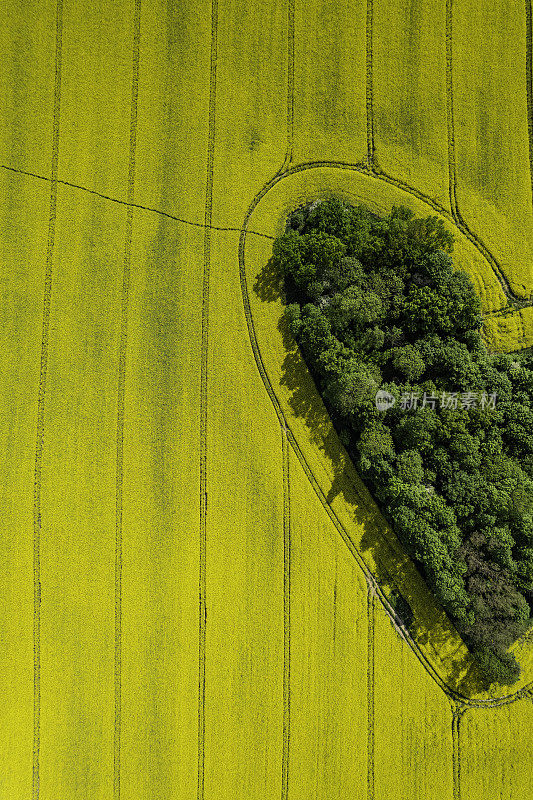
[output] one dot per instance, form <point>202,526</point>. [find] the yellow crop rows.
<point>409,95</point>
<point>23,241</point>
<point>493,170</point>
<point>484,771</point>
<point>328,124</point>
<point>328,654</point>
<point>412,721</point>
<point>160,514</point>
<point>197,590</point>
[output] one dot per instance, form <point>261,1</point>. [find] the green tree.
<point>407,362</point>
<point>410,467</point>
<point>379,304</point>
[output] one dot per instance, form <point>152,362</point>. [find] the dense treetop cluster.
<point>375,303</point>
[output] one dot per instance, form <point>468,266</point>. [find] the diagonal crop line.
<point>525,691</point>
<point>134,205</point>
<point>120,403</point>
<point>37,484</point>
<point>202,579</point>
<point>529,83</point>
<point>286,617</point>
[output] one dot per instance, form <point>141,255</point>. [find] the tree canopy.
<point>376,303</point>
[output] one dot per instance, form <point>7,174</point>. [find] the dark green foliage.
<point>499,667</point>
<point>402,608</point>
<point>376,303</point>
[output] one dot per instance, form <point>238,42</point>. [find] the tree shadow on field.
<point>268,284</point>
<point>416,611</point>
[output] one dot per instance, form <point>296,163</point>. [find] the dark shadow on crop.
<point>268,284</point>
<point>422,617</point>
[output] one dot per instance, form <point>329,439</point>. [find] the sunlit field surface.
<point>196,588</point>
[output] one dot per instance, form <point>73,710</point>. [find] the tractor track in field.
<point>457,217</point>
<point>457,714</point>
<point>373,168</point>
<point>529,82</point>
<point>287,549</point>
<point>370,667</point>
<point>204,368</point>
<point>41,408</point>
<point>285,453</point>
<point>452,175</point>
<point>371,580</point>
<point>120,402</point>
<point>117,200</point>
<point>286,616</point>
<point>369,84</point>
<point>459,702</point>
<point>290,85</point>
<point>374,172</point>
<point>370,169</point>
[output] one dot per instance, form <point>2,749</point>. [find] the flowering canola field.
<point>197,592</point>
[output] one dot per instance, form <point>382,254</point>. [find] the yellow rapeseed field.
<point>493,169</point>
<point>198,591</point>
<point>409,95</point>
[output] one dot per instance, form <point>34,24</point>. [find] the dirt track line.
<point>458,709</point>
<point>133,205</point>
<point>380,175</point>
<point>452,172</point>
<point>202,579</point>
<point>373,584</point>
<point>290,84</point>
<point>123,346</point>
<point>41,410</point>
<point>455,215</point>
<point>369,85</point>
<point>286,617</point>
<point>452,184</point>
<point>396,622</point>
<point>529,82</point>
<point>371,661</point>
<point>285,755</point>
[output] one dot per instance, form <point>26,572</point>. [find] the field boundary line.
<point>372,167</point>
<point>290,84</point>
<point>370,84</point>
<point>45,338</point>
<point>371,662</point>
<point>380,175</point>
<point>134,205</point>
<point>123,346</point>
<point>525,691</point>
<point>457,217</point>
<point>450,124</point>
<point>204,367</point>
<point>286,616</point>
<point>458,709</point>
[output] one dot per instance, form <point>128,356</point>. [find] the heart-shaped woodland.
<point>440,429</point>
